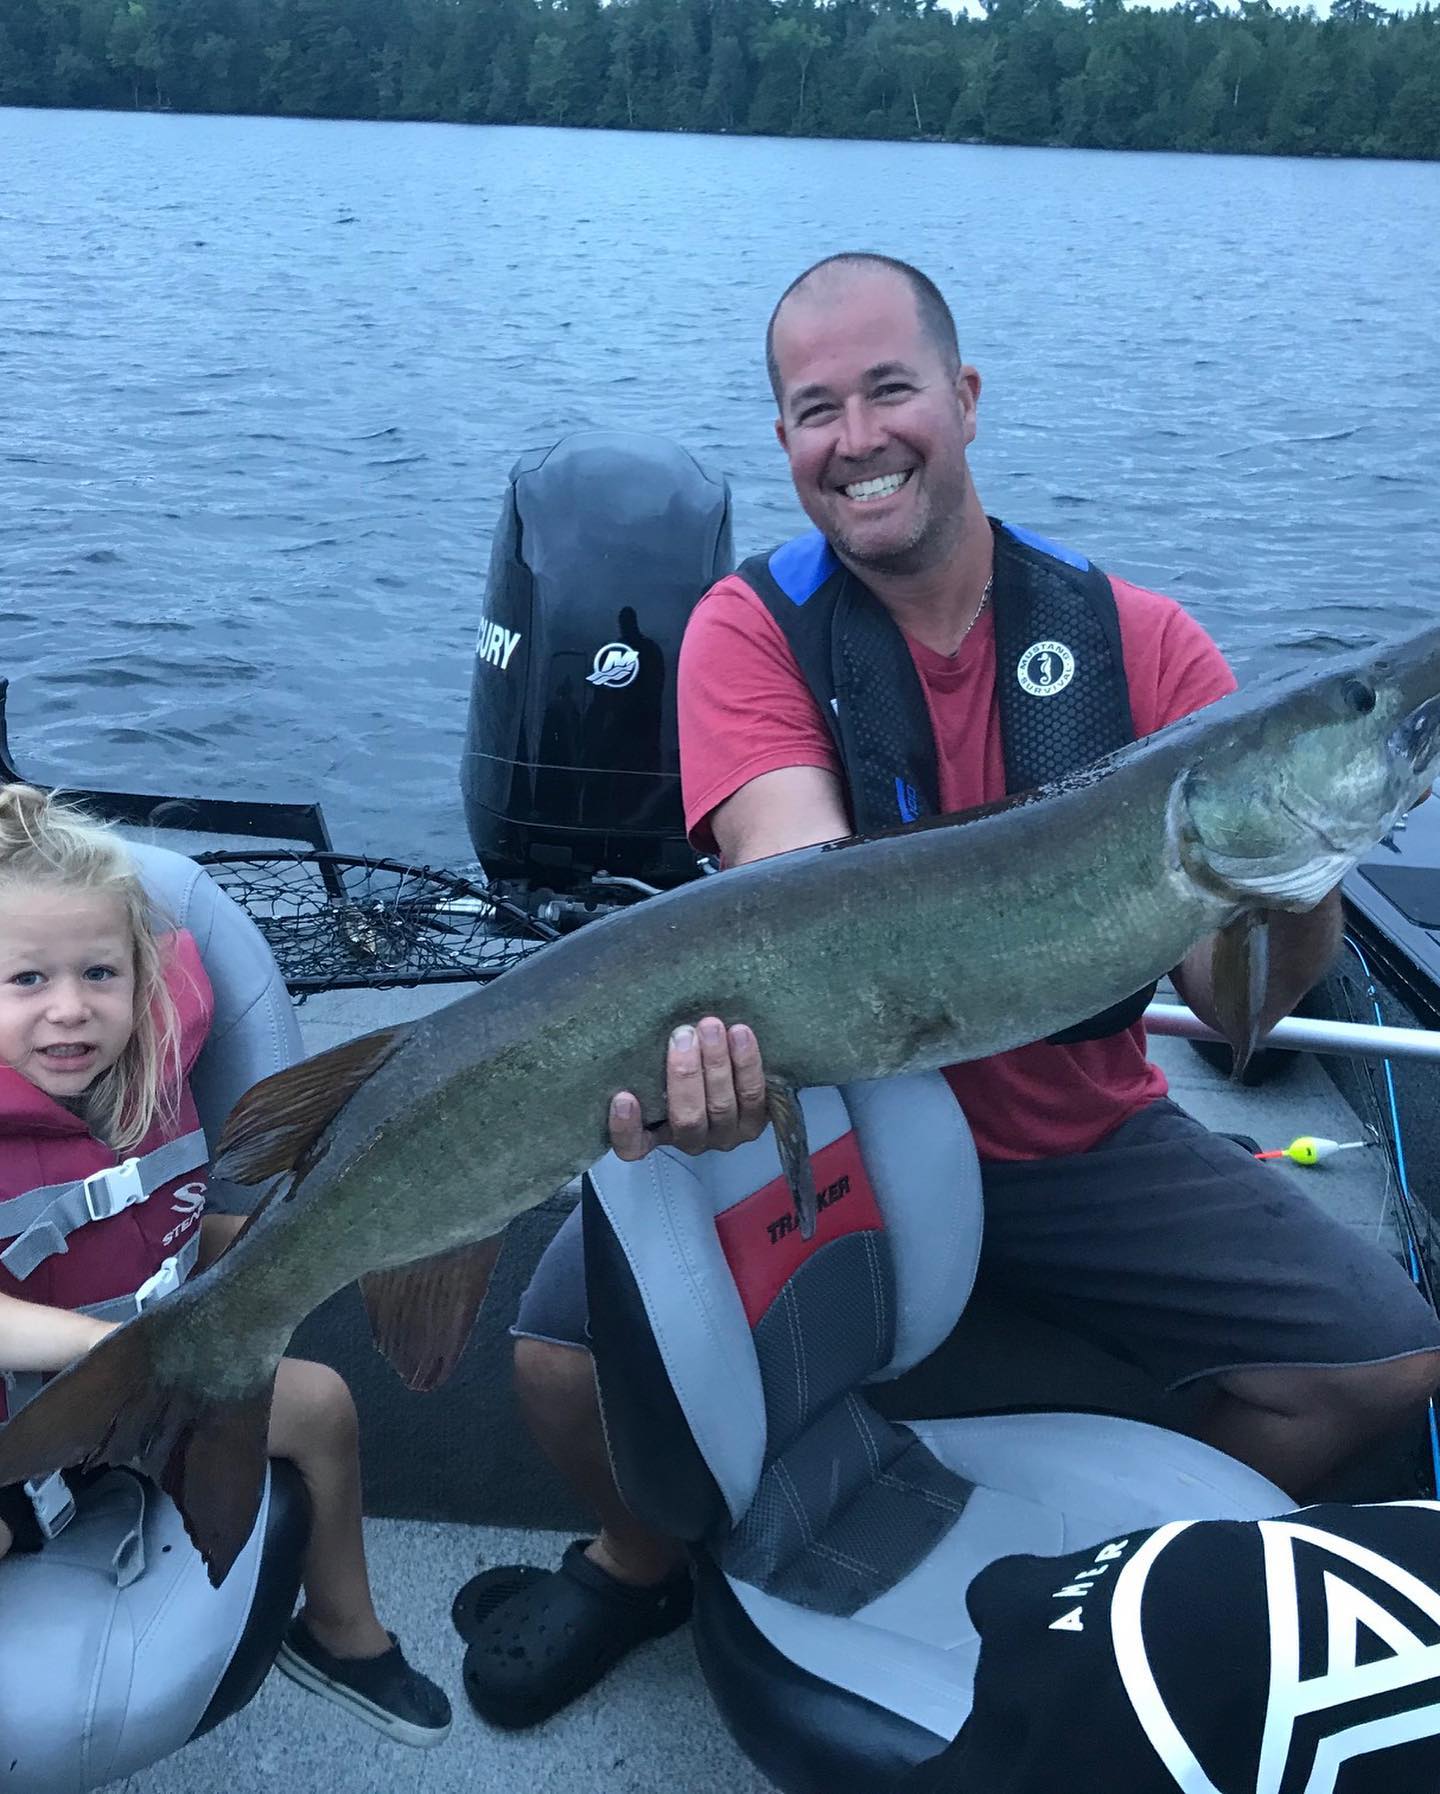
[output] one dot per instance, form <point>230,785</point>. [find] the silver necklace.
<point>979,612</point>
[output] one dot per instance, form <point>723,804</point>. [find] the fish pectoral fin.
<point>279,1119</point>
<point>113,1407</point>
<point>788,1119</point>
<point>421,1314</point>
<point>1240,977</point>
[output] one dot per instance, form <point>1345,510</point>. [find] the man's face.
<point>874,423</point>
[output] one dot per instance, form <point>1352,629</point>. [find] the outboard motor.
<point>572,763</point>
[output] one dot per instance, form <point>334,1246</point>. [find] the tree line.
<point>1103,75</point>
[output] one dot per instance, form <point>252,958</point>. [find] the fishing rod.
<point>1306,1034</point>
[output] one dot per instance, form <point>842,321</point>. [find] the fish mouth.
<point>1417,738</point>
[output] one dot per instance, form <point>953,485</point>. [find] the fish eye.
<point>1359,696</point>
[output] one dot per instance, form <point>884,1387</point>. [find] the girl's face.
<point>67,986</point>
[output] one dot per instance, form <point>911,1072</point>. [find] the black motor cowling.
<point>572,764</point>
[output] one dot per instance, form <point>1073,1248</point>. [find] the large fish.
<point>940,942</point>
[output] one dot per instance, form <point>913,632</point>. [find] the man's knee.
<point>1361,1399</point>
<point>1403,1385</point>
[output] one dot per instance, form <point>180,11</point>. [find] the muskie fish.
<point>403,1154</point>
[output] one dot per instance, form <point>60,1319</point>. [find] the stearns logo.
<point>187,1201</point>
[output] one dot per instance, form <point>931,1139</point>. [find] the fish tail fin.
<point>117,1405</point>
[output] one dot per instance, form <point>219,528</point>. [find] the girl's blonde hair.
<point>46,842</point>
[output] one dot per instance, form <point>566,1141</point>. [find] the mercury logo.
<point>1045,668</point>
<point>616,664</point>
<point>495,643</point>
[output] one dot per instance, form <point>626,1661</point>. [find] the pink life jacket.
<point>79,1227</point>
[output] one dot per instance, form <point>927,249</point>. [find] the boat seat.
<point>833,1548</point>
<point>114,1648</point>
<point>254,1032</point>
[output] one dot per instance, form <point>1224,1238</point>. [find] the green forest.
<point>1360,82</point>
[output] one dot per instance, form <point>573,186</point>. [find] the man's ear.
<point>967,386</point>
<point>780,434</point>
<point>967,391</point>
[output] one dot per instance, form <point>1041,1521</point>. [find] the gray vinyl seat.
<point>114,1648</point>
<point>254,1032</point>
<point>833,1548</point>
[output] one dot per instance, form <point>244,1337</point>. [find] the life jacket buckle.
<point>117,1187</point>
<point>52,1501</point>
<point>163,1283</point>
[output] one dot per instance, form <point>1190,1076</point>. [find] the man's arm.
<point>796,806</point>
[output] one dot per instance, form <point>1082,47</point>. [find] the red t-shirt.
<point>746,710</point>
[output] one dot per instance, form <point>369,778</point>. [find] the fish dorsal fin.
<point>279,1119</point>
<point>421,1314</point>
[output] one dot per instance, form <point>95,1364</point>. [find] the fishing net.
<point>338,921</point>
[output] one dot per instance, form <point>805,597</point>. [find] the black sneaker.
<point>384,1691</point>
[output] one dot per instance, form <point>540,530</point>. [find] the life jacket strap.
<point>42,1220</point>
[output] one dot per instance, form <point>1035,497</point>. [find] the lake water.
<point>262,382</point>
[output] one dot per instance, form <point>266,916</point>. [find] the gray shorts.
<point>1168,1245</point>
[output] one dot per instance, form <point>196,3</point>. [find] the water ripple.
<point>264,381</point>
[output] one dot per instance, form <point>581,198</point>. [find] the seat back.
<point>731,1353</point>
<point>254,1032</point>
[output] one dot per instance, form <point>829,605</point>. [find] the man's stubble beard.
<point>926,548</point>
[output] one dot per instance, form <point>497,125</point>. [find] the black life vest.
<point>1063,698</point>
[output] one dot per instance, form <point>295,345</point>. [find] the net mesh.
<point>346,921</point>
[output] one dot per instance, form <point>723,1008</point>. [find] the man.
<point>1124,1218</point>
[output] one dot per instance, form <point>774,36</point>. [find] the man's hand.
<point>714,1095</point>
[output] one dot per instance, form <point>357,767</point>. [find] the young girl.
<point>101,1020</point>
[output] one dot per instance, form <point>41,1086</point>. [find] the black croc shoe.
<point>384,1691</point>
<point>478,1598</point>
<point>537,1641</point>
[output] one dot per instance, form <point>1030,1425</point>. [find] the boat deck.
<point>649,1728</point>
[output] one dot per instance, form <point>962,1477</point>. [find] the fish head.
<point>1315,772</point>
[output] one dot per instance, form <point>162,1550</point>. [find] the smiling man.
<point>876,442</point>
<point>913,656</point>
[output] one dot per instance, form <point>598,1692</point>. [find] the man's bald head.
<point>936,319</point>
